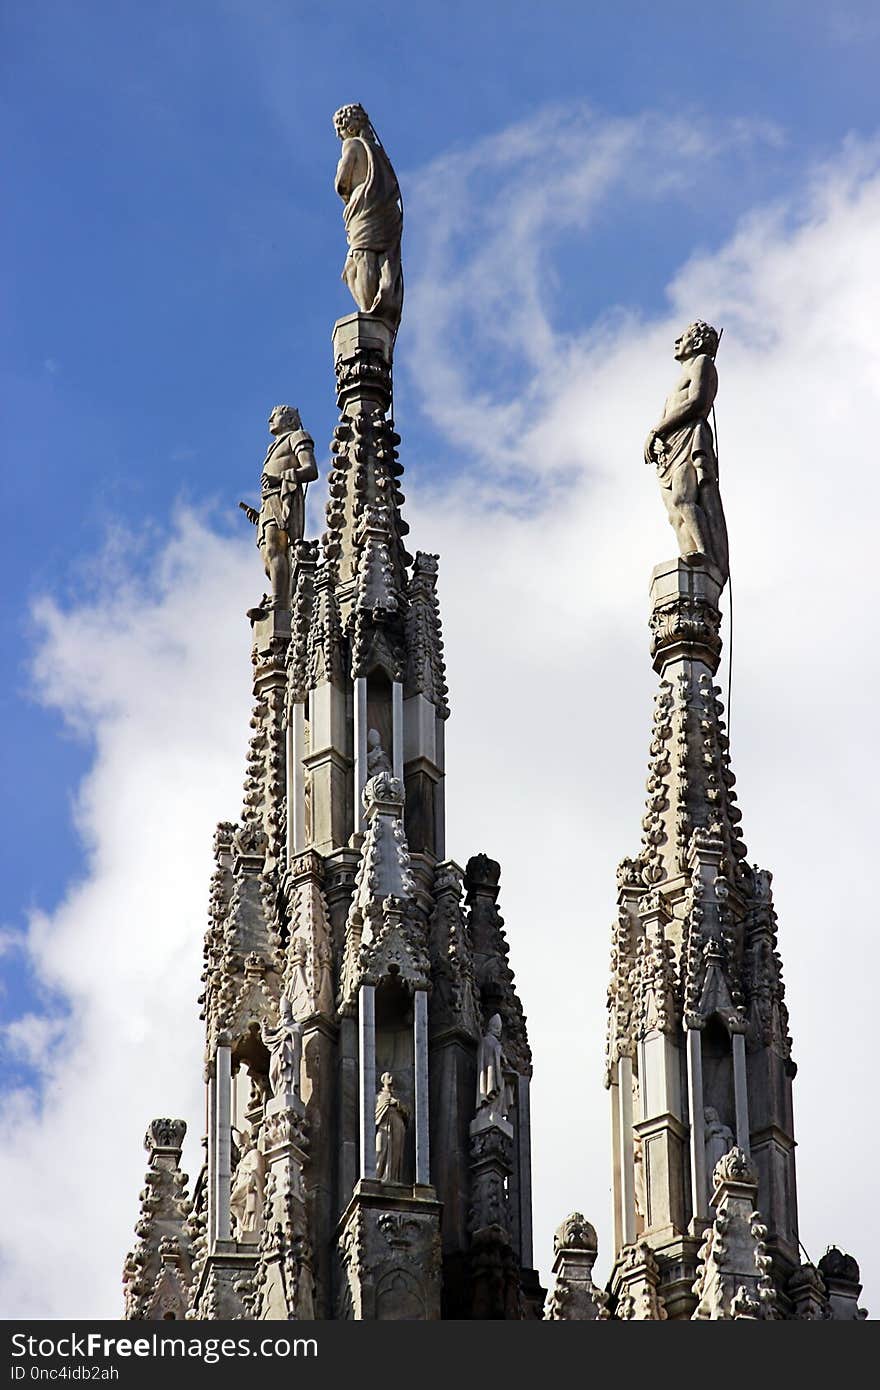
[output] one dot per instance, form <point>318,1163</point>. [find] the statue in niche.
<point>377,759</point>
<point>324,978</point>
<point>248,1183</point>
<point>719,1141</point>
<point>373,216</point>
<point>493,1097</point>
<point>298,981</point>
<point>285,1051</point>
<point>392,1118</point>
<point>682,449</point>
<point>288,466</point>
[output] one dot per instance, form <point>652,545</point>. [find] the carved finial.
<point>575,1233</point>
<point>165,1134</point>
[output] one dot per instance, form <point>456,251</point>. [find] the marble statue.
<point>373,216</point>
<point>377,759</point>
<point>492,1095</point>
<point>392,1117</point>
<point>289,464</point>
<point>682,449</point>
<point>719,1140</point>
<point>324,978</point>
<point>298,983</point>
<point>248,1182</point>
<point>285,1051</point>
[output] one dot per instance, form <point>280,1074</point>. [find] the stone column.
<point>440,790</point>
<point>397,728</point>
<point>222,1175</point>
<point>296,781</point>
<point>524,1156</point>
<point>698,1129</point>
<point>740,1091</point>
<point>627,1157</point>
<point>367,1046</point>
<point>360,749</point>
<point>420,1058</point>
<point>349,1109</point>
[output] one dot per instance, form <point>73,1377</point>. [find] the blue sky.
<point>170,253</point>
<point>170,266</point>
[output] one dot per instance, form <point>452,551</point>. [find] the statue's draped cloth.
<point>683,446</point>
<point>374,226</point>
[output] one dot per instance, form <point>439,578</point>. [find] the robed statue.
<point>288,466</point>
<point>392,1117</point>
<point>682,448</point>
<point>493,1098</point>
<point>373,216</point>
<point>285,1051</point>
<point>247,1187</point>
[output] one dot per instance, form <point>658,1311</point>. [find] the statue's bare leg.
<point>277,568</point>
<point>362,278</point>
<point>693,533</point>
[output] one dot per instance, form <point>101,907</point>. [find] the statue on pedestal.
<point>719,1141</point>
<point>285,1051</point>
<point>392,1117</point>
<point>373,216</point>
<point>493,1100</point>
<point>377,759</point>
<point>682,449</point>
<point>289,464</point>
<point>248,1182</point>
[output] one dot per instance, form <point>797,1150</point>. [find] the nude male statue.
<point>288,465</point>
<point>682,449</point>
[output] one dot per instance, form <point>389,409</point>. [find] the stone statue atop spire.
<point>373,216</point>
<point>280,521</point>
<point>682,448</point>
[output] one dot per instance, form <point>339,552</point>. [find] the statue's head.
<point>283,419</point>
<point>286,1010</point>
<point>374,738</point>
<point>494,1026</point>
<point>351,120</point>
<point>387,1080</point>
<point>697,338</point>
<point>710,1114</point>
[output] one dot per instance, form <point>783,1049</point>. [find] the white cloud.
<point>545,609</point>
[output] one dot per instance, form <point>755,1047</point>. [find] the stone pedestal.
<point>362,351</point>
<point>285,1287</point>
<point>685,618</point>
<point>389,1252</point>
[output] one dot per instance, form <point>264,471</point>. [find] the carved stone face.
<point>697,337</point>
<point>283,419</point>
<point>685,344</point>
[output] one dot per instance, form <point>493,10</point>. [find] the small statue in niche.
<point>392,1118</point>
<point>377,759</point>
<point>248,1183</point>
<point>298,981</point>
<point>289,464</point>
<point>285,1051</point>
<point>373,216</point>
<point>682,449</point>
<point>324,978</point>
<point>719,1141</point>
<point>493,1099</point>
